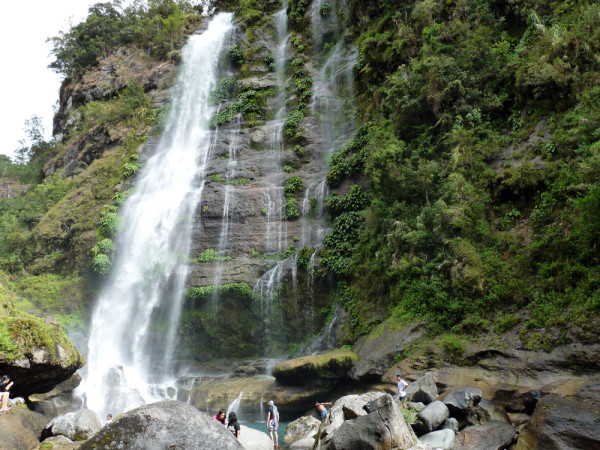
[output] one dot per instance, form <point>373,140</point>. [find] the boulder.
<point>477,416</point>
<point>252,439</point>
<point>442,439</point>
<point>59,400</point>
<point>490,436</point>
<point>417,406</point>
<point>76,425</point>
<point>161,425</point>
<point>20,429</point>
<point>494,411</point>
<point>41,356</point>
<point>304,427</point>
<point>560,423</point>
<point>303,444</point>
<point>377,351</point>
<point>460,399</point>
<point>451,424</point>
<point>325,368</point>
<point>58,442</point>
<point>383,427</point>
<point>518,401</point>
<point>423,389</point>
<point>431,417</point>
<point>349,404</point>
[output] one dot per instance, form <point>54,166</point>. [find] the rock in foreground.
<point>161,426</point>
<point>20,428</point>
<point>560,423</point>
<point>383,428</point>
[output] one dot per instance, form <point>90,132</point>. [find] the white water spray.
<point>134,324</point>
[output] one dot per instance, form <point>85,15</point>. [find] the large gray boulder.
<point>559,423</point>
<point>164,425</point>
<point>304,427</point>
<point>431,417</point>
<point>460,399</point>
<point>442,439</point>
<point>384,427</point>
<point>423,389</point>
<point>490,436</point>
<point>252,439</point>
<point>76,425</point>
<point>346,408</point>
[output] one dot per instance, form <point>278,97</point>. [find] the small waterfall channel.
<point>134,323</point>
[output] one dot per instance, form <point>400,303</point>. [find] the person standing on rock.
<point>273,422</point>
<point>402,390</point>
<point>321,408</point>
<point>5,385</point>
<point>233,425</point>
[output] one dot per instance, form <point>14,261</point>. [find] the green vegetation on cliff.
<point>482,165</point>
<point>157,26</point>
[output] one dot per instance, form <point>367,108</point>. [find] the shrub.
<point>235,55</point>
<point>210,254</point>
<point>109,224</point>
<point>293,184</point>
<point>101,264</point>
<point>291,123</point>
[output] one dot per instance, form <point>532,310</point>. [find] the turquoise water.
<point>262,426</point>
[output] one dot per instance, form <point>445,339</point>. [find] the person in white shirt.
<point>402,390</point>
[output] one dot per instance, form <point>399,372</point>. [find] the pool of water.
<point>262,426</point>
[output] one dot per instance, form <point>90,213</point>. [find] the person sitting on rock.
<point>321,408</point>
<point>233,425</point>
<point>109,418</point>
<point>402,390</point>
<point>5,385</point>
<point>220,416</point>
<point>273,422</point>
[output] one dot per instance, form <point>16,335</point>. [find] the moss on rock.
<point>34,351</point>
<point>324,367</point>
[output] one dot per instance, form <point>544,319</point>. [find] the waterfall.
<point>133,327</point>
<point>234,406</point>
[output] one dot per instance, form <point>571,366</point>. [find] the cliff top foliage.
<point>157,26</point>
<point>482,164</point>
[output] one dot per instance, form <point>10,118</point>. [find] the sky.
<point>28,88</point>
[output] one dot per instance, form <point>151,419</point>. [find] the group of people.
<point>233,424</point>
<point>272,420</point>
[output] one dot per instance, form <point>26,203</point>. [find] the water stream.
<point>140,303</point>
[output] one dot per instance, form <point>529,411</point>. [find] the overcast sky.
<point>28,87</point>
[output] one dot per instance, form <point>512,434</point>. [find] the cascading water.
<point>127,364</point>
<point>276,232</point>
